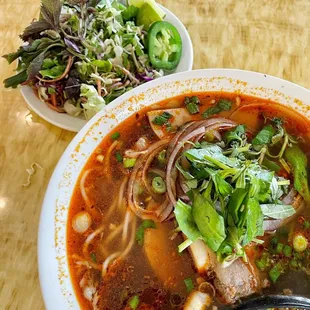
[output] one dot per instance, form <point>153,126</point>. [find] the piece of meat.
<point>198,301</point>
<point>204,259</point>
<point>237,280</point>
<point>180,116</point>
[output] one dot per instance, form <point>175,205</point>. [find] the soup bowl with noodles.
<point>188,192</point>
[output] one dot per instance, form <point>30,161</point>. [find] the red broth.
<point>153,271</point>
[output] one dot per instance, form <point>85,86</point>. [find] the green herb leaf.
<point>235,203</point>
<point>185,219</point>
<point>130,13</point>
<point>35,66</point>
<point>236,134</point>
<point>222,105</point>
<point>211,153</point>
<point>254,221</point>
<point>53,72</point>
<point>277,211</point>
<point>50,12</point>
<point>264,136</point>
<point>189,284</point>
<point>15,80</point>
<point>102,65</point>
<point>222,187</point>
<point>34,28</point>
<point>299,162</point>
<point>13,56</point>
<point>271,165</point>
<point>140,231</point>
<point>162,119</point>
<point>210,224</point>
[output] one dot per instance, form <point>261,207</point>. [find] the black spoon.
<point>275,301</point>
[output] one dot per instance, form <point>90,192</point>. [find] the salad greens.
<point>78,48</point>
<point>231,192</point>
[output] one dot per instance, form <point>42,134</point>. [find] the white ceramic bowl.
<point>71,123</point>
<point>53,264</point>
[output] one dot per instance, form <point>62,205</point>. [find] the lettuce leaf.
<point>94,104</point>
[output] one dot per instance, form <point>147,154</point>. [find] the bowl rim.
<point>48,204</point>
<point>74,124</point>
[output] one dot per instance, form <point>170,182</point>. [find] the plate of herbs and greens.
<point>81,55</point>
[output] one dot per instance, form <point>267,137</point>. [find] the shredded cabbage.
<point>94,104</point>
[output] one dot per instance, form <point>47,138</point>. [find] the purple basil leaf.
<point>72,45</point>
<point>35,66</point>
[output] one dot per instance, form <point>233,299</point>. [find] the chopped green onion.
<point>115,135</point>
<point>119,157</point>
<point>140,231</point>
<point>294,263</point>
<point>162,157</point>
<point>300,243</point>
<point>195,100</point>
<point>263,263</point>
<point>162,119</point>
<point>189,284</point>
<point>93,257</point>
<point>170,128</point>
<point>192,108</point>
<point>129,162</point>
<point>185,244</point>
<point>134,302</point>
<point>287,251</point>
<point>307,224</point>
<point>275,272</point>
<point>159,185</point>
<point>279,248</point>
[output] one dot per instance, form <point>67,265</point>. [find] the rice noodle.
<point>90,238</point>
<point>107,262</point>
<point>108,156</point>
<point>82,187</point>
<point>89,206</point>
<point>121,193</point>
<point>126,224</point>
<point>85,262</point>
<point>112,207</point>
<point>113,234</point>
<point>134,154</point>
<point>132,239</point>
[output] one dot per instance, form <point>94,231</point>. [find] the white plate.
<point>71,123</point>
<point>55,281</point>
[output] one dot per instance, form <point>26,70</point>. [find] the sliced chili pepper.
<point>164,45</point>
